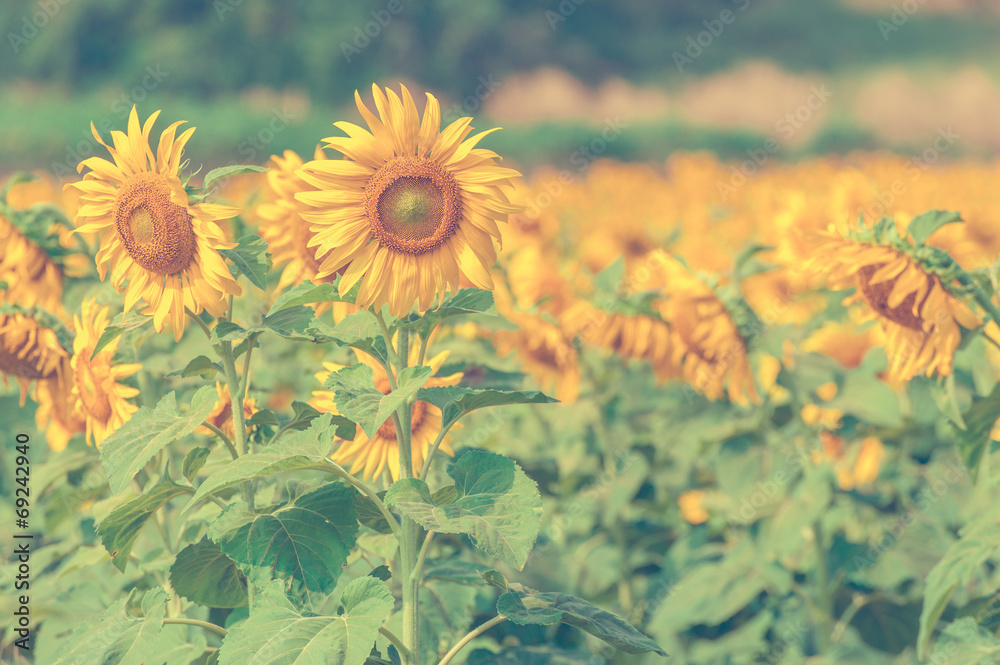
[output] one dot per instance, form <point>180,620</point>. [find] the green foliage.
<point>359,399</point>
<point>204,575</point>
<point>455,401</point>
<point>250,256</point>
<point>118,638</point>
<point>277,634</point>
<point>496,504</point>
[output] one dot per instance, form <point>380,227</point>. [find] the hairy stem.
<point>473,634</point>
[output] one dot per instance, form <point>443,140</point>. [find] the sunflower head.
<point>412,210</point>
<point>31,348</point>
<point>166,247</point>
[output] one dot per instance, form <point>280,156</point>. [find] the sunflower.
<point>102,400</point>
<point>411,210</point>
<point>710,352</point>
<point>847,342</point>
<point>167,248</point>
<point>920,317</point>
<point>692,506</point>
<point>32,277</point>
<point>288,235</point>
<point>29,351</point>
<point>222,413</point>
<point>59,412</point>
<point>376,453</point>
<point>545,352</point>
<point>631,336</point>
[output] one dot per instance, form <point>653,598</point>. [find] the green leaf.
<point>227,331</point>
<point>943,392</point>
<point>359,400</point>
<point>497,505</point>
<point>307,293</point>
<point>148,431</point>
<point>277,634</point>
<point>527,608</point>
<point>117,638</point>
<point>964,642</point>
<point>298,450</point>
<point>251,258</point>
<point>975,439</point>
<point>229,171</point>
<point>307,540</point>
<point>370,515</point>
<point>263,417</point>
<point>456,570</point>
<point>200,366</point>
<point>455,401</point>
<point>121,324</point>
<point>464,301</point>
<point>204,575</point>
<point>193,461</point>
<point>530,655</point>
<point>120,529</point>
<point>359,330</point>
<point>979,540</point>
<point>494,578</point>
<point>922,226</point>
<point>381,573</point>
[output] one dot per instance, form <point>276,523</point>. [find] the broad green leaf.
<point>464,301</point>
<point>308,293</point>
<point>227,331</point>
<point>228,172</point>
<point>978,541</point>
<point>118,637</point>
<point>120,529</point>
<point>922,226</point>
<point>964,642</point>
<point>527,608</point>
<point>359,330</point>
<point>359,400</point>
<point>975,439</point>
<point>494,578</point>
<point>263,417</point>
<point>297,450</point>
<point>148,431</point>
<point>456,570</point>
<point>455,401</point>
<point>277,634</point>
<point>250,256</point>
<point>307,540</point>
<point>121,324</point>
<point>446,613</point>
<point>497,505</point>
<point>193,461</point>
<point>200,366</point>
<point>370,515</point>
<point>204,575</point>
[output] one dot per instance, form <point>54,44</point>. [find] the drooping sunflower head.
<point>31,276</point>
<point>412,210</point>
<point>165,247</point>
<point>221,416</point>
<point>918,306</point>
<point>546,352</point>
<point>101,398</point>
<point>30,350</point>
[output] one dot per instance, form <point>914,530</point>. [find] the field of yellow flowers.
<point>254,403</point>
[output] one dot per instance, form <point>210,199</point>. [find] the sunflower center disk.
<point>157,233</point>
<point>877,297</point>
<point>412,205</point>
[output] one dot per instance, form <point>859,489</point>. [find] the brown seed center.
<point>157,233</point>
<point>877,297</point>
<point>413,205</point>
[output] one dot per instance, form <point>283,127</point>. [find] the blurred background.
<point>260,76</point>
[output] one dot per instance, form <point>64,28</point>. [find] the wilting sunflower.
<point>920,316</point>
<point>411,210</point>
<point>710,352</point>
<point>32,277</point>
<point>165,247</point>
<point>288,235</point>
<point>545,352</point>
<point>29,351</point>
<point>222,413</point>
<point>103,401</point>
<point>59,413</point>
<point>372,455</point>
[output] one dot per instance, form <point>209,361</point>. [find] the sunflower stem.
<point>222,437</point>
<point>473,634</point>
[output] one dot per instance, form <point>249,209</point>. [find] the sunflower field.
<point>400,386</point>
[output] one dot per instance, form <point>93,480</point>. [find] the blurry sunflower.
<point>710,352</point>
<point>32,277</point>
<point>692,506</point>
<point>59,413</point>
<point>372,455</point>
<point>222,413</point>
<point>632,336</point>
<point>847,342</point>
<point>29,350</point>
<point>288,235</point>
<point>165,247</point>
<point>103,401</point>
<point>921,317</point>
<point>411,210</point>
<point>545,352</point>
